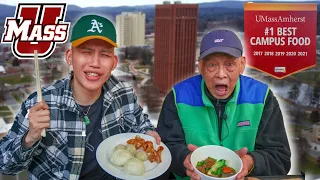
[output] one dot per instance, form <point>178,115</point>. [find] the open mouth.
<point>92,75</point>
<point>221,89</point>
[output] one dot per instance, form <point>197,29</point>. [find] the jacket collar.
<point>206,97</point>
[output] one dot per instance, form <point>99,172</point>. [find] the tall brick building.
<point>176,27</point>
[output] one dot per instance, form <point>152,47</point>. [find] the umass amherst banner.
<point>280,39</point>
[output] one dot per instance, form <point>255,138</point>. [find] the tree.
<point>126,53</point>
<point>317,78</point>
<point>22,73</point>
<point>315,96</point>
<point>121,57</point>
<point>294,93</point>
<point>315,117</point>
<point>133,52</point>
<point>15,62</point>
<point>202,25</point>
<point>146,56</point>
<point>299,115</point>
<point>303,147</point>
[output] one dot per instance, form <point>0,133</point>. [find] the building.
<point>312,134</point>
<point>130,28</point>
<point>175,43</point>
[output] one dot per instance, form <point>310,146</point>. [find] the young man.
<point>78,112</point>
<point>222,107</point>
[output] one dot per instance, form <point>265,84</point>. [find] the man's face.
<point>220,73</point>
<point>92,63</point>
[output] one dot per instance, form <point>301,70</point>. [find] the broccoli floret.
<point>216,169</point>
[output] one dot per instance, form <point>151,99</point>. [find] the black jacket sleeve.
<point>170,130</point>
<point>272,152</point>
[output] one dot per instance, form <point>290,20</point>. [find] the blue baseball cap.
<point>220,41</point>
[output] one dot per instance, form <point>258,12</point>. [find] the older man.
<point>223,107</point>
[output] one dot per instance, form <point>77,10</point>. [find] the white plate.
<point>153,170</point>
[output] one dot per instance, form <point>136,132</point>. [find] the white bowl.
<point>216,152</point>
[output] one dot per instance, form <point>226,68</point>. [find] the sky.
<point>95,3</point>
<point>112,3</point>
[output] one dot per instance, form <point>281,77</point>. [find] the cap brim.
<point>221,49</point>
<point>82,40</point>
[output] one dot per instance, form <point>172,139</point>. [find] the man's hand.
<point>155,135</point>
<point>187,164</point>
<point>39,119</point>
<point>247,162</point>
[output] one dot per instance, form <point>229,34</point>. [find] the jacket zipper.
<point>219,119</point>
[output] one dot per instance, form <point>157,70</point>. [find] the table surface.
<point>288,177</point>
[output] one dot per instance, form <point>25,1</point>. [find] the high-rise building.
<point>176,27</point>
<point>130,28</point>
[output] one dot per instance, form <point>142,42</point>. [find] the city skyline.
<point>100,3</point>
<point>296,107</point>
